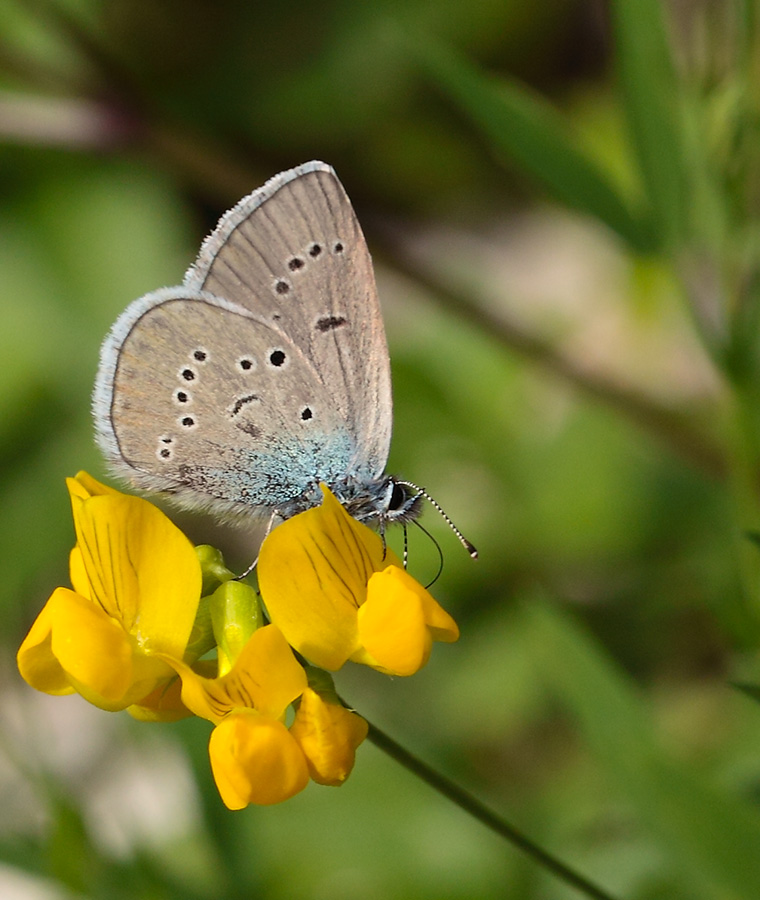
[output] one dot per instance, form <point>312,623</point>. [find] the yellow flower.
<point>254,757</point>
<point>136,585</point>
<point>338,594</point>
<point>328,735</point>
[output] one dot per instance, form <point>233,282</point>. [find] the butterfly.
<point>266,372</point>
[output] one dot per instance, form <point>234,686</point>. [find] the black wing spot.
<point>249,428</point>
<point>306,414</point>
<point>200,355</point>
<point>282,287</point>
<point>330,322</point>
<point>245,363</point>
<point>277,358</point>
<point>188,421</point>
<point>165,453</point>
<point>315,250</point>
<point>188,374</point>
<point>182,397</point>
<point>241,402</point>
<point>296,263</point>
<point>338,247</point>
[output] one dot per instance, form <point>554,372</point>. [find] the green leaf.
<point>654,110</point>
<point>710,836</point>
<point>71,859</point>
<point>529,132</point>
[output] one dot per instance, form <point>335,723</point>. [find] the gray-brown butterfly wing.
<point>293,253</point>
<point>203,399</point>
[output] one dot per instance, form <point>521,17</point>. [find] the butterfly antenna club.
<point>468,545</point>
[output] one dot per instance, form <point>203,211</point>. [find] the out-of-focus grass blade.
<point>711,837</point>
<point>654,110</point>
<point>750,690</point>
<point>532,135</point>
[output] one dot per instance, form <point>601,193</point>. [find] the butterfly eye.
<point>398,497</point>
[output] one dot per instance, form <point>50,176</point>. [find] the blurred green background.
<point>562,202</point>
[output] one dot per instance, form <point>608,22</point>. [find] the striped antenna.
<point>469,547</point>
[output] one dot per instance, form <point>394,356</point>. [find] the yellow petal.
<point>163,704</point>
<point>141,569</point>
<point>313,571</point>
<point>36,662</point>
<point>78,574</point>
<point>97,656</point>
<point>84,485</point>
<point>266,677</point>
<point>74,646</point>
<point>328,735</point>
<point>393,578</point>
<point>255,760</point>
<point>204,697</point>
<point>392,627</point>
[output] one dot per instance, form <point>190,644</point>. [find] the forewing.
<point>294,254</point>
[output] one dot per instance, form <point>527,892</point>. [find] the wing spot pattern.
<point>328,323</point>
<point>249,428</point>
<point>241,402</point>
<point>164,451</point>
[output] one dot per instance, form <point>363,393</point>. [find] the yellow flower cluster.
<point>158,627</point>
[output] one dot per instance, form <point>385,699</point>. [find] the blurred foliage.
<point>562,201</point>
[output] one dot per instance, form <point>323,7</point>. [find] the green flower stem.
<point>477,810</point>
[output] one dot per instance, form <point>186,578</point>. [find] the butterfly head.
<point>391,500</point>
<point>402,502</point>
<point>380,501</point>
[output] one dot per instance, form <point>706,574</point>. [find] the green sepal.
<point>235,614</point>
<point>213,568</point>
<point>202,635</point>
